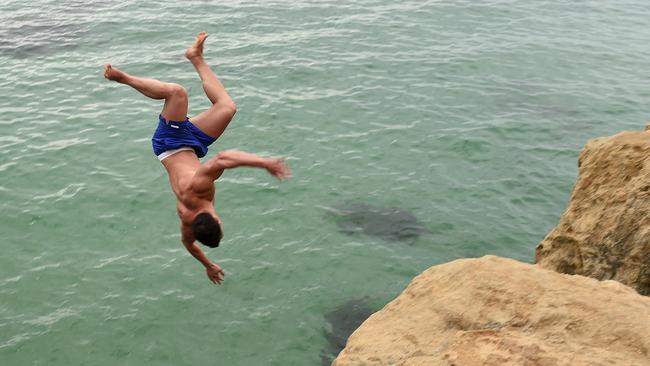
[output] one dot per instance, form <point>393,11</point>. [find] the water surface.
<point>468,115</point>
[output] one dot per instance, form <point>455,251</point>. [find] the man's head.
<point>207,230</point>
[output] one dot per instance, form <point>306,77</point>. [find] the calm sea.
<point>456,122</point>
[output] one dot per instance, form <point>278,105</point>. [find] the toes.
<point>201,37</point>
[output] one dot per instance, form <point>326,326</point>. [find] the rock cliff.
<point>605,231</point>
<point>495,311</point>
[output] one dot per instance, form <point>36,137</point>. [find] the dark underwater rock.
<point>387,223</point>
<point>343,320</point>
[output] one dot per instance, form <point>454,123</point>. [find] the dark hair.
<point>206,230</point>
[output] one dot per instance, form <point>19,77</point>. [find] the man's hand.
<point>215,273</point>
<point>278,168</point>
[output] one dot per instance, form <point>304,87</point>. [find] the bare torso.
<point>181,168</point>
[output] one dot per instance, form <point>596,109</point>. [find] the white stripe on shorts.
<point>169,153</point>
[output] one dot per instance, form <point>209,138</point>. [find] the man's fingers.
<point>286,172</point>
<point>282,174</point>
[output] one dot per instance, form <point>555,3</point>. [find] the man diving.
<point>179,142</point>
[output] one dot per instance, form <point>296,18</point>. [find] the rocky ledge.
<point>497,311</point>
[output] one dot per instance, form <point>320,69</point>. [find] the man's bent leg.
<point>175,96</point>
<point>215,120</point>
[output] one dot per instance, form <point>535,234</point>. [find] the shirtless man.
<point>179,142</point>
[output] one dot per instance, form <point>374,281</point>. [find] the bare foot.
<point>196,50</point>
<point>113,73</point>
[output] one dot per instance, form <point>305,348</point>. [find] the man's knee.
<point>177,90</point>
<point>229,108</point>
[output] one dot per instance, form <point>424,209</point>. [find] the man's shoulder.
<point>187,235</point>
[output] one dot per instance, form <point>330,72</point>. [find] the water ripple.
<point>63,194</point>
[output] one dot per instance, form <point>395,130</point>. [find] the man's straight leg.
<point>215,120</point>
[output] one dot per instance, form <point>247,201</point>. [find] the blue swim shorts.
<point>174,136</point>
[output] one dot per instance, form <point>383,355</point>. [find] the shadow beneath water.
<point>387,223</point>
<point>343,321</point>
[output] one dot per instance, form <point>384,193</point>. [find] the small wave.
<point>63,194</point>
<point>106,261</point>
<point>59,144</point>
<point>52,317</point>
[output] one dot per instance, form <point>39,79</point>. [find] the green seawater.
<point>469,115</point>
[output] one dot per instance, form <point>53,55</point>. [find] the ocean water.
<point>464,118</point>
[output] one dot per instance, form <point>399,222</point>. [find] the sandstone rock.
<point>495,311</point>
<point>605,231</point>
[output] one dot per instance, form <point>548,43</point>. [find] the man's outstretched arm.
<point>212,270</point>
<point>213,168</point>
